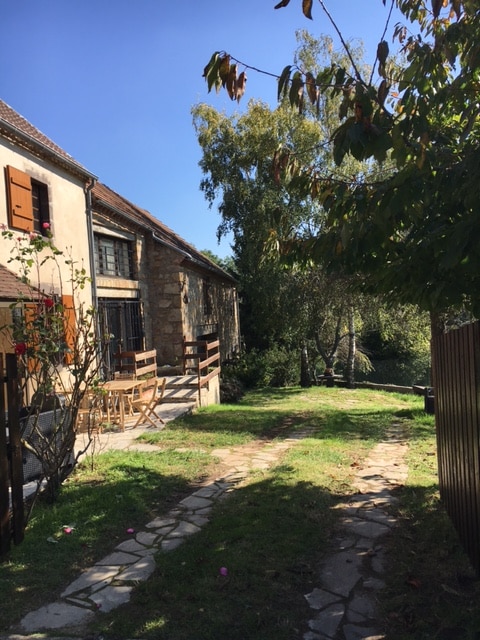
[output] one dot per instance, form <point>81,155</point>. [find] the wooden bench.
<point>328,380</point>
<point>137,363</point>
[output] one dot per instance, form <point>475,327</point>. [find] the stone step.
<point>174,382</point>
<point>180,394</point>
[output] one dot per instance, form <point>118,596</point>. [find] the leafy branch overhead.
<point>417,116</point>
<point>220,73</point>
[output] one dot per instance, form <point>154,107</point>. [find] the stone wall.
<point>177,305</point>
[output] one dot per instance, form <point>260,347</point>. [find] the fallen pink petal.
<point>130,530</point>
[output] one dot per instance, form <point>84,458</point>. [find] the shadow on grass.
<point>270,537</point>
<point>431,591</point>
<point>99,510</point>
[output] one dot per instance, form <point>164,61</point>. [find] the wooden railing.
<point>137,363</point>
<point>202,358</point>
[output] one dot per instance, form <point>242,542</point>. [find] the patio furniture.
<point>116,398</point>
<point>148,400</point>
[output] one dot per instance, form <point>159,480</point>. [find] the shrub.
<point>275,367</point>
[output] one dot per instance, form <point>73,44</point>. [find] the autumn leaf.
<point>382,51</point>
<point>232,81</point>
<point>436,7</point>
<point>382,94</point>
<point>312,90</point>
<point>283,81</point>
<point>224,69</point>
<point>307,8</point>
<point>241,85</point>
<point>282,4</point>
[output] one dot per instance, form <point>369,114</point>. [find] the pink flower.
<point>130,530</point>
<point>46,225</point>
<point>20,348</point>
<point>67,530</point>
<point>223,571</point>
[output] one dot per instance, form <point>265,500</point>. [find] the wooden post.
<point>15,448</point>
<point>5,533</point>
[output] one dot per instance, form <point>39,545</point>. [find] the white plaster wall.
<point>67,216</point>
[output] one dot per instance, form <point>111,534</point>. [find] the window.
<point>41,215</point>
<point>113,257</point>
<point>207,297</point>
<point>28,208</point>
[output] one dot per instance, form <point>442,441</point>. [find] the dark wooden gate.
<point>456,379</point>
<point>11,465</point>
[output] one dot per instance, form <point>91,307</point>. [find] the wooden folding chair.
<point>89,413</point>
<point>146,402</point>
<point>128,396</point>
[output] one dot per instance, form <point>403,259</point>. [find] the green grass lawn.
<point>271,533</point>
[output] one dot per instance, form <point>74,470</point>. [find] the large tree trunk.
<point>305,379</point>
<point>352,347</point>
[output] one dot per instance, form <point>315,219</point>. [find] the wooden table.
<point>118,388</point>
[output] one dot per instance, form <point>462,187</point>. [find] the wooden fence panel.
<point>4,472</point>
<point>11,465</point>
<point>456,378</point>
<point>16,461</point>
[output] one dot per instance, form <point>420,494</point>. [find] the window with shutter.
<point>19,194</point>
<point>28,208</point>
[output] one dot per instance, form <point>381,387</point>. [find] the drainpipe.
<point>91,255</point>
<point>91,252</point>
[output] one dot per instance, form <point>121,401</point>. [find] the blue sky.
<point>113,83</point>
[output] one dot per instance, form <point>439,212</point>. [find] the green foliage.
<point>411,231</point>
<point>404,372</point>
<point>397,340</point>
<point>54,336</point>
<point>273,367</point>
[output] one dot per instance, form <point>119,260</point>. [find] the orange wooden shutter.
<point>69,320</point>
<point>30,311</point>
<point>19,192</point>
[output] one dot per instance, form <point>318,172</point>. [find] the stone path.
<point>109,583</point>
<point>344,603</point>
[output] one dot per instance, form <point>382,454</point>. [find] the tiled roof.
<point>13,125</point>
<point>104,196</point>
<point>11,287</point>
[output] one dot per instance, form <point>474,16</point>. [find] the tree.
<point>244,160</point>
<point>412,231</point>
<point>237,157</point>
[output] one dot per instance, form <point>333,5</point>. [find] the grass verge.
<point>270,534</point>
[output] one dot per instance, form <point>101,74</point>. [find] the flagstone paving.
<point>109,583</point>
<point>343,604</point>
<point>344,601</point>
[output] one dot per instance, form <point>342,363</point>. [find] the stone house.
<point>152,289</point>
